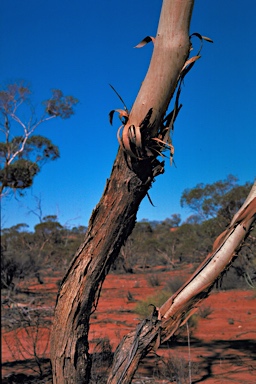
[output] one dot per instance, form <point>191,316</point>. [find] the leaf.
<point>191,60</point>
<point>119,97</point>
<point>145,41</point>
<point>149,198</point>
<point>201,38</point>
<point>188,66</point>
<point>111,115</point>
<point>162,142</point>
<point>122,115</point>
<point>207,39</point>
<point>165,145</point>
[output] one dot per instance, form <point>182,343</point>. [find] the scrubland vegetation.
<point>152,248</point>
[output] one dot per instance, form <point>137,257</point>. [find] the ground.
<point>219,346</point>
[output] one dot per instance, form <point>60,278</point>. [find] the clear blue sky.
<point>80,47</point>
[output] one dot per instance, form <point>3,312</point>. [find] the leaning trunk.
<point>164,322</point>
<point>114,217</point>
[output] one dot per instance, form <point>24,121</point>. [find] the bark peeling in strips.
<point>113,219</point>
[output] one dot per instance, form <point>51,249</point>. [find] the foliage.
<point>25,253</point>
<point>173,221</point>
<point>151,244</point>
<point>60,105</point>
<point>222,197</point>
<point>163,243</point>
<point>144,307</point>
<point>22,153</point>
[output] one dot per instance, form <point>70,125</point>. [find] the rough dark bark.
<point>111,223</point>
<point>114,217</point>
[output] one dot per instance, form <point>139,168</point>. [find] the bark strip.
<point>114,217</point>
<point>178,308</point>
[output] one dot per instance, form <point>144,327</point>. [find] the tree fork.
<point>114,217</point>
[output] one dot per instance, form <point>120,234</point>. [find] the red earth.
<point>222,345</point>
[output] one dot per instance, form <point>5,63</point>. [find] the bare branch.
<point>179,307</point>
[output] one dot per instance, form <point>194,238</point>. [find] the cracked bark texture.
<point>114,217</point>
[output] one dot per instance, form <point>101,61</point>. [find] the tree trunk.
<point>151,332</point>
<point>111,223</point>
<point>114,217</point>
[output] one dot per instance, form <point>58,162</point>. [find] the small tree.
<point>224,197</point>
<point>22,153</point>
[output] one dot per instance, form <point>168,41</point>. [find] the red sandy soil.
<point>222,345</point>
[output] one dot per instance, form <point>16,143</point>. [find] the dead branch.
<point>179,307</point>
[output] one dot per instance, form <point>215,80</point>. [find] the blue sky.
<point>82,46</point>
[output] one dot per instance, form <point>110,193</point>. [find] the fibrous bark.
<point>110,224</point>
<point>114,217</point>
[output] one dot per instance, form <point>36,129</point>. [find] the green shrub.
<point>144,309</point>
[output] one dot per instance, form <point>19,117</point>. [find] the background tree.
<point>224,197</point>
<point>22,153</point>
<point>26,253</point>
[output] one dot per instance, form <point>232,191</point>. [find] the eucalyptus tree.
<point>22,152</point>
<point>143,136</point>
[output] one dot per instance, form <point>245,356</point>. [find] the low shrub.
<point>204,311</point>
<point>175,283</point>
<point>153,280</point>
<point>143,307</point>
<point>175,369</point>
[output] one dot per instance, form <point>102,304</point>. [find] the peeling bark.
<point>111,223</point>
<point>114,217</point>
<point>179,307</point>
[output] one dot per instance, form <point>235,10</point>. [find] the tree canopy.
<point>23,155</point>
<point>223,197</point>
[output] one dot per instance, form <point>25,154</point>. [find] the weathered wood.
<point>111,223</point>
<point>179,307</point>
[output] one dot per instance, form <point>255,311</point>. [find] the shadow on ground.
<point>217,359</point>
<point>226,357</point>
